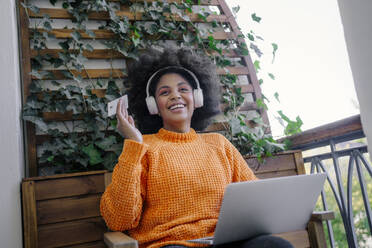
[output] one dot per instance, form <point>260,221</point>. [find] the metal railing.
<point>330,136</point>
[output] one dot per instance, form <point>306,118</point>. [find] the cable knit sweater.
<point>169,189</point>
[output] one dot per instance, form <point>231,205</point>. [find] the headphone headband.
<point>167,68</point>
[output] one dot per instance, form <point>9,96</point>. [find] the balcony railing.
<point>335,137</point>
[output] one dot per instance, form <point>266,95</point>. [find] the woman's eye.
<point>163,93</point>
<point>185,90</point>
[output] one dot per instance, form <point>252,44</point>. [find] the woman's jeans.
<point>264,241</point>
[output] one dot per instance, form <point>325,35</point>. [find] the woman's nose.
<point>175,95</point>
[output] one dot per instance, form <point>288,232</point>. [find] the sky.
<point>311,67</point>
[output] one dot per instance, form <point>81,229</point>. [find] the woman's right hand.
<point>126,125</point>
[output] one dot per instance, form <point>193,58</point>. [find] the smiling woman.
<point>167,187</point>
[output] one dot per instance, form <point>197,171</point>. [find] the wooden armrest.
<point>119,240</point>
<point>323,215</point>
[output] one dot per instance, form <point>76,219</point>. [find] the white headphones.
<point>150,100</point>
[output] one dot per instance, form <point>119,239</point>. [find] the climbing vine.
<point>80,136</point>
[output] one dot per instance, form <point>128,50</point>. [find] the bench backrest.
<point>63,210</point>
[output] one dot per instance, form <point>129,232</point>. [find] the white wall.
<point>357,21</point>
<point>11,146</point>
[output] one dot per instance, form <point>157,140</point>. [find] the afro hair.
<point>152,60</point>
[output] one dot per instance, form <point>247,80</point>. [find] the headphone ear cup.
<point>198,98</point>
<point>151,105</point>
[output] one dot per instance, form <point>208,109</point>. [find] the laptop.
<point>266,206</point>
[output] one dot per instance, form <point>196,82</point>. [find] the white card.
<point>111,106</point>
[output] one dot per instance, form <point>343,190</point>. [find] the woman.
<point>167,187</point>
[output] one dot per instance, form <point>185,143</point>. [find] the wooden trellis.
<point>33,139</point>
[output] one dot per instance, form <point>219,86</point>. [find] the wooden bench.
<point>63,210</point>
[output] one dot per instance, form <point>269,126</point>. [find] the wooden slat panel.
<point>29,215</point>
<point>66,175</point>
<point>118,73</point>
<point>278,163</point>
<point>66,187</point>
<point>111,54</point>
<point>106,34</point>
<point>97,244</point>
<point>64,14</point>
<point>299,239</point>
<point>89,73</point>
<point>273,174</point>
<point>233,70</point>
<point>96,54</point>
<point>66,209</point>
<point>71,233</point>
<point>217,126</point>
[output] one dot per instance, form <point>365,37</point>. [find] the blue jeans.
<point>264,241</point>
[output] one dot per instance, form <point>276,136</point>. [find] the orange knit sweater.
<point>169,188</point>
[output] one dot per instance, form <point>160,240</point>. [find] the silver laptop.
<point>266,206</point>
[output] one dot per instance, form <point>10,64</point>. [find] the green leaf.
<point>53,2</point>
<point>64,45</point>
<point>135,41</point>
<point>236,9</point>
<point>188,37</point>
<point>106,143</point>
<point>255,18</point>
<point>256,49</point>
<point>250,36</point>
<point>292,127</point>
<point>110,160</point>
<point>89,48</point>
<point>271,76</point>
<point>257,65</point>
<point>276,95</point>
<point>76,35</point>
<point>34,9</point>
<point>90,33</point>
<point>93,154</point>
<point>36,74</point>
<point>47,26</point>
<point>275,48</point>
<point>260,104</point>
<point>50,158</point>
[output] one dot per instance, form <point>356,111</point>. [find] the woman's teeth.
<point>176,106</point>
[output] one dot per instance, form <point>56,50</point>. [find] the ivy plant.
<point>86,139</point>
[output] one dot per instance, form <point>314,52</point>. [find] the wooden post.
<point>30,237</point>
<point>299,163</point>
<point>316,234</point>
<point>25,54</point>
